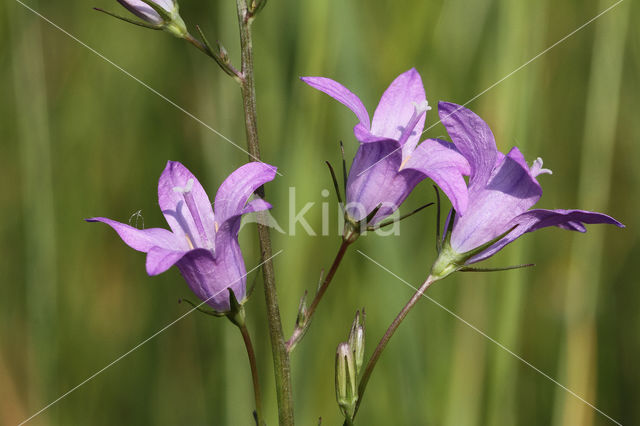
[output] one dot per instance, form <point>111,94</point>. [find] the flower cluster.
<point>488,213</point>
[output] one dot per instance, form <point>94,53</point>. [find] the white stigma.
<point>536,168</point>
<point>421,107</point>
<point>184,189</point>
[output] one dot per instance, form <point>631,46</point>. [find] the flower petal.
<point>233,194</point>
<point>397,106</point>
<point>511,190</point>
<point>144,239</point>
<point>473,138</point>
<point>206,279</point>
<point>146,12</point>
<point>533,220</point>
<point>209,277</point>
<point>174,207</point>
<point>341,94</point>
<point>160,259</point>
<point>374,179</point>
<point>442,163</point>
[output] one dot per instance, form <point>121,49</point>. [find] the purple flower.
<point>502,189</point>
<point>389,162</point>
<point>164,15</point>
<point>146,12</point>
<point>203,245</point>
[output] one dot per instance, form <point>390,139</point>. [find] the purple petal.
<point>144,239</point>
<point>374,179</point>
<point>160,259</point>
<point>209,277</point>
<point>473,138</point>
<point>233,194</point>
<point>442,163</point>
<point>145,12</point>
<point>174,206</point>
<point>533,220</point>
<point>511,190</point>
<point>207,280</point>
<point>341,94</point>
<point>397,106</point>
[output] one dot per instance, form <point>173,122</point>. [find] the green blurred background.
<point>80,138</point>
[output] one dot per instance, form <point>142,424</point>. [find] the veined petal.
<point>397,106</point>
<point>144,239</point>
<point>341,94</point>
<point>533,220</point>
<point>442,163</point>
<point>510,191</point>
<point>209,277</point>
<point>207,281</point>
<point>175,179</point>
<point>233,194</point>
<point>374,179</point>
<point>473,138</point>
<point>160,259</point>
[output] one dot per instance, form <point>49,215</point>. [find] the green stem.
<point>366,375</point>
<point>279,349</point>
<point>299,332</point>
<point>254,372</point>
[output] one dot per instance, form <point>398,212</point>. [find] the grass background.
<point>79,138</point>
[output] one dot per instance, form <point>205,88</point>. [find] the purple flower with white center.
<point>389,162</point>
<point>502,189</point>
<point>202,244</point>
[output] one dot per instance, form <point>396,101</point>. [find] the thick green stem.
<point>366,375</point>
<point>279,349</point>
<point>300,331</point>
<point>254,373</point>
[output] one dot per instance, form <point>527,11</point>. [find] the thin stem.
<point>299,332</point>
<point>207,50</point>
<point>366,375</point>
<point>254,373</point>
<point>280,354</point>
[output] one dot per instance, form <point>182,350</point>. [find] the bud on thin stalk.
<point>346,380</point>
<point>356,339</point>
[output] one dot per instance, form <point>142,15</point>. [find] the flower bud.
<point>159,13</point>
<point>301,319</point>
<point>356,339</point>
<point>346,385</point>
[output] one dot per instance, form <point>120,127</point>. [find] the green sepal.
<point>236,312</point>
<point>211,312</point>
<point>392,221</point>
<point>335,185</point>
<point>505,268</point>
<point>438,239</point>
<point>449,261</point>
<point>131,21</point>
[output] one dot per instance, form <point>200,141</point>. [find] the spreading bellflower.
<point>389,162</point>
<point>502,190</point>
<point>202,244</point>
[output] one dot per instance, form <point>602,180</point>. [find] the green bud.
<point>346,380</point>
<point>356,339</point>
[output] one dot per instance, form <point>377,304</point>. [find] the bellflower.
<point>389,162</point>
<point>165,16</point>
<point>202,244</point>
<point>502,190</point>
